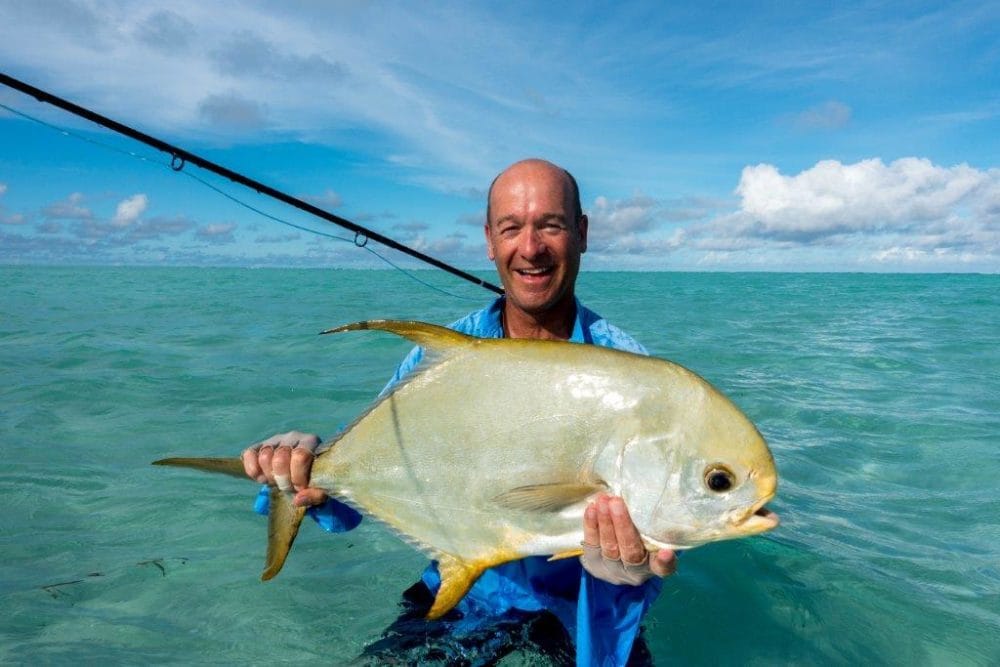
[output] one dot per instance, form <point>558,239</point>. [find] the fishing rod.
<point>180,157</point>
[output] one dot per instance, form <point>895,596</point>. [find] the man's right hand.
<point>285,460</point>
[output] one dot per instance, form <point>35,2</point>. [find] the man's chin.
<point>532,303</point>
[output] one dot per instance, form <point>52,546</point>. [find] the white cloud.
<point>866,197</point>
<point>232,111</point>
<point>641,225</point>
<point>627,216</point>
<point>70,208</point>
<point>908,214</point>
<point>415,84</point>
<point>129,210</point>
<point>328,200</point>
<point>3,189</point>
<point>217,233</point>
<point>830,115</point>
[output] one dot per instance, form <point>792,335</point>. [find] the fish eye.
<point>719,479</point>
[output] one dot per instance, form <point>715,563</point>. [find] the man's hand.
<point>612,547</point>
<point>285,460</point>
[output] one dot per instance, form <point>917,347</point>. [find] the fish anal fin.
<point>458,576</point>
<point>283,520</point>
<point>547,497</point>
<point>572,553</point>
<point>429,336</point>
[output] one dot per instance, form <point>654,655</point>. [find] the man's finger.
<point>281,467</point>
<point>664,563</point>
<point>630,546</point>
<point>591,534</point>
<point>300,467</point>
<point>250,465</point>
<point>264,455</point>
<point>606,530</point>
<point>309,497</point>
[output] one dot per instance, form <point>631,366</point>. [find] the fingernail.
<point>261,479</point>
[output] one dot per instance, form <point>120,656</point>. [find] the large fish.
<point>493,448</point>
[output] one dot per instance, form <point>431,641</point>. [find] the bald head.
<point>571,189</point>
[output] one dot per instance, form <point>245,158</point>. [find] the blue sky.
<point>705,136</point>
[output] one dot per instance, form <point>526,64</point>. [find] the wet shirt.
<point>602,618</point>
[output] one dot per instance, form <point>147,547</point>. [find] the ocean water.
<point>879,395</point>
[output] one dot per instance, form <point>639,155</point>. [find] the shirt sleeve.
<point>608,618</point>
<point>333,516</point>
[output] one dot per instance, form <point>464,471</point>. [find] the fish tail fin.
<point>227,466</point>
<point>283,518</point>
<point>283,521</point>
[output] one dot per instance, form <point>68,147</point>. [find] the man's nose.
<point>532,244</point>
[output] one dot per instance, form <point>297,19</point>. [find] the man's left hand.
<point>612,547</point>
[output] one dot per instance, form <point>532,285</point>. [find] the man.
<point>535,234</point>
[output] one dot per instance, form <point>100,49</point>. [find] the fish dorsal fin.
<point>283,519</point>
<point>458,576</point>
<point>547,497</point>
<point>429,336</point>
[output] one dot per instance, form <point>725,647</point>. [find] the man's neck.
<point>555,324</point>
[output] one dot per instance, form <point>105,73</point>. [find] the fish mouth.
<point>758,518</point>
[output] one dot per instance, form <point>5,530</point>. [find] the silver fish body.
<point>492,450</point>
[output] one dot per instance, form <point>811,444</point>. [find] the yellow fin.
<point>458,576</point>
<point>283,516</point>
<point>283,519</point>
<point>572,553</point>
<point>425,335</point>
<point>546,497</point>
<point>230,466</point>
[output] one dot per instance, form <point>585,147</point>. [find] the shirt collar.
<point>494,323</point>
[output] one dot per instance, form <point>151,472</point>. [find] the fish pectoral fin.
<point>458,576</point>
<point>283,520</point>
<point>547,497</point>
<point>429,336</point>
<point>572,553</point>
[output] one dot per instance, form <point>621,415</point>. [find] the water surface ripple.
<point>879,394</point>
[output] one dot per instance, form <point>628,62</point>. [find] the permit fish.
<point>492,449</point>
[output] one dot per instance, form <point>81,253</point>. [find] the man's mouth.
<point>534,272</point>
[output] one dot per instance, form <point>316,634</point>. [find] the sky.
<point>773,136</point>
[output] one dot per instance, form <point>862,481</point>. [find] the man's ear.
<point>581,228</point>
<point>489,242</point>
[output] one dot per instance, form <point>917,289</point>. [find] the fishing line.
<point>180,158</point>
<point>363,245</point>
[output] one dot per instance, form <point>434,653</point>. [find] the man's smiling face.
<point>534,237</point>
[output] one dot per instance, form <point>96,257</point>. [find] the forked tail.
<point>283,518</point>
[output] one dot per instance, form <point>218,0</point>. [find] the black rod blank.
<point>179,157</point>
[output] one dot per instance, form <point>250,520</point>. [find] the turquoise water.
<point>879,394</point>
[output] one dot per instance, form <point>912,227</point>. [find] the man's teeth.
<point>533,272</point>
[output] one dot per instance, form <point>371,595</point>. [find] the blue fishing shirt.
<point>602,618</point>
